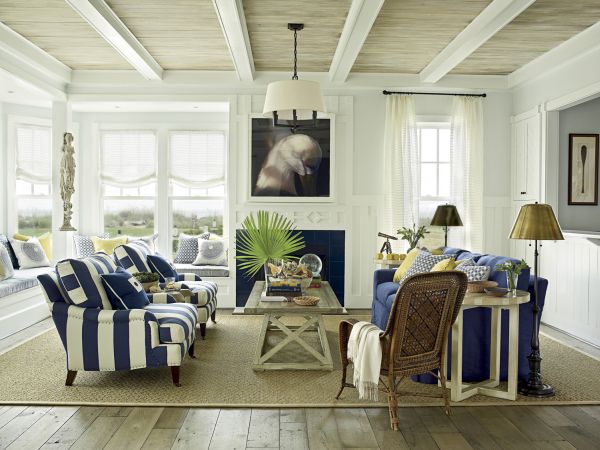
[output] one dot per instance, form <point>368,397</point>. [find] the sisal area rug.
<point>222,376</point>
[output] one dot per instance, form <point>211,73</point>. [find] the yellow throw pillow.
<point>437,251</point>
<point>45,241</point>
<point>108,245</point>
<point>406,263</point>
<point>444,265</point>
<point>21,237</point>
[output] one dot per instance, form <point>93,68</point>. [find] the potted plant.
<point>412,235</point>
<point>148,279</point>
<point>268,237</point>
<point>513,270</point>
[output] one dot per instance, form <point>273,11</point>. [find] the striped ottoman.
<point>204,296</point>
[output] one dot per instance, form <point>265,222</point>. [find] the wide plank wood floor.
<point>93,427</point>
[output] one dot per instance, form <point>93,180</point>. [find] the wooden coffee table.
<point>313,322</point>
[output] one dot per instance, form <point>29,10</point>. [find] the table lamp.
<point>446,216</point>
<point>536,222</point>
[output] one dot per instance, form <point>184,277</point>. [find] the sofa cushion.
<point>406,264</point>
<point>84,246</point>
<point>132,257</point>
<point>424,262</point>
<point>124,290</point>
<point>203,271</point>
<point>6,243</point>
<point>30,254</point>
<point>176,321</point>
<point>475,273</point>
<point>13,285</point>
<point>468,255</point>
<point>161,266</point>
<point>386,289</point>
<point>6,268</point>
<point>108,245</point>
<point>211,252</point>
<point>80,282</point>
<point>453,251</point>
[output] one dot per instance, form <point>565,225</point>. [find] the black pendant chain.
<point>295,76</point>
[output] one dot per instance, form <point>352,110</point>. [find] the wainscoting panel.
<point>572,268</point>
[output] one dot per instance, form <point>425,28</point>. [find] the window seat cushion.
<point>203,271</point>
<point>22,279</point>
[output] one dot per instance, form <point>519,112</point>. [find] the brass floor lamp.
<point>536,222</point>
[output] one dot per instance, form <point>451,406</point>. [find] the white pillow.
<point>211,252</point>
<point>6,267</point>
<point>30,254</point>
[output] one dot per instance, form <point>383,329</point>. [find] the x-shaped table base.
<point>293,333</point>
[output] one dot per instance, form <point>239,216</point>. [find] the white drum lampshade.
<point>285,96</point>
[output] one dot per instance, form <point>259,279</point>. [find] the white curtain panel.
<point>467,170</point>
<point>400,164</point>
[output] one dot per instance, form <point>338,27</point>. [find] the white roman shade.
<point>34,154</point>
<point>128,158</point>
<point>198,158</point>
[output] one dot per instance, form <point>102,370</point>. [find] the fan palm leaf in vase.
<point>269,236</point>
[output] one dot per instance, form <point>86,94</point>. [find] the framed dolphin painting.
<point>287,166</point>
<point>583,169</point>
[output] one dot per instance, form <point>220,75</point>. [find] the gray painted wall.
<point>584,118</point>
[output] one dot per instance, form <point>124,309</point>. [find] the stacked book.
<point>282,289</point>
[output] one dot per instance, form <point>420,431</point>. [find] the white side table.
<point>459,390</point>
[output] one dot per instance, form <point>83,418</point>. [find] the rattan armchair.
<point>416,335</point>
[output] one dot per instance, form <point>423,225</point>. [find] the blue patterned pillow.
<point>84,246</point>
<point>79,280</point>
<point>475,272</point>
<point>188,247</point>
<point>132,257</point>
<point>124,290</point>
<point>162,267</point>
<point>423,263</point>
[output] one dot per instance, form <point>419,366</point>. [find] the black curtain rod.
<point>433,93</point>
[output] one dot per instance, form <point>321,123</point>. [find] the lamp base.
<point>540,390</point>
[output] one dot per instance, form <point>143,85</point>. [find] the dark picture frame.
<point>583,169</point>
<point>304,169</point>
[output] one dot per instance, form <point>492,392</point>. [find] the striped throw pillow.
<point>80,281</point>
<point>133,257</point>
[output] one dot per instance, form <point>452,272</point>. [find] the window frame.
<point>12,211</point>
<point>439,125</point>
<point>170,197</point>
<point>106,128</point>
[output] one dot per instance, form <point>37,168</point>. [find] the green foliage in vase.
<point>146,277</point>
<point>412,235</point>
<point>268,236</point>
<point>513,268</point>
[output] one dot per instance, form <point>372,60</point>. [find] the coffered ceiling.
<point>426,37</point>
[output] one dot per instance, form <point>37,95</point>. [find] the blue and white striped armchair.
<point>136,257</point>
<point>107,340</point>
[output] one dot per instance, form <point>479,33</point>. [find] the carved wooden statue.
<point>67,180</point>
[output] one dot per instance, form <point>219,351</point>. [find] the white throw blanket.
<point>364,350</point>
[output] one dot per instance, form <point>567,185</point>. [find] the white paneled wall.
<point>573,298</point>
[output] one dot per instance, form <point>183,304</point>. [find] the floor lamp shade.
<point>446,216</point>
<point>536,222</point>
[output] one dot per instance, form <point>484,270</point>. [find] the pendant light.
<point>295,101</point>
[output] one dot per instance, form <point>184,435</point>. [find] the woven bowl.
<point>479,287</point>
<point>307,300</point>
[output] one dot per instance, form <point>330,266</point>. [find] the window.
<point>197,182</point>
<point>33,179</point>
<point>128,174</point>
<point>434,168</point>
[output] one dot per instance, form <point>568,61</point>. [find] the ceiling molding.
<point>360,20</point>
<point>31,58</point>
<point>233,23</point>
<point>113,30</point>
<point>492,19</point>
<point>576,47</point>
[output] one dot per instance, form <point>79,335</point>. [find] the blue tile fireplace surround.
<point>329,245</point>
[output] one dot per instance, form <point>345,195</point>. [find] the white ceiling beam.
<point>360,20</point>
<point>492,19</point>
<point>576,47</point>
<point>233,23</point>
<point>103,19</point>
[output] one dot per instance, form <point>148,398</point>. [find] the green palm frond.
<point>269,236</point>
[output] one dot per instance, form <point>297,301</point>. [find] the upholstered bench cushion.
<point>22,279</point>
<point>176,321</point>
<point>203,292</point>
<point>203,271</point>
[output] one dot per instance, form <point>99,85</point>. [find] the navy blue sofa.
<point>476,347</point>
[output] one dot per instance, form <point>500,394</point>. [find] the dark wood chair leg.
<point>393,402</point>
<point>71,374</point>
<point>344,367</point>
<point>203,330</point>
<point>175,375</point>
<point>191,351</point>
<point>213,316</point>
